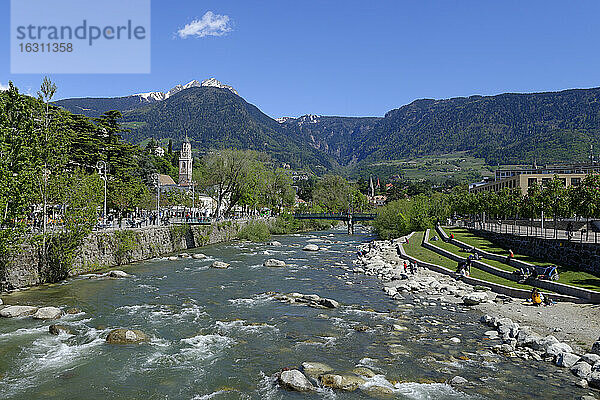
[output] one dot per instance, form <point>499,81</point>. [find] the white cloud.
<point>3,87</point>
<point>210,24</point>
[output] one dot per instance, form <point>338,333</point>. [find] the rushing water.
<point>216,335</point>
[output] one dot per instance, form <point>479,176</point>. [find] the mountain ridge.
<point>506,128</point>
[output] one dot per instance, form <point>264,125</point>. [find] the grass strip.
<point>568,275</point>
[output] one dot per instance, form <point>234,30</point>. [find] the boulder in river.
<point>557,348</point>
<point>295,380</point>
<point>315,369</point>
<point>328,303</point>
<point>118,274</point>
<point>590,358</point>
<point>458,380</point>
<point>274,243</point>
<point>1,302</point>
<point>57,329</point>
<point>198,256</point>
<point>48,313</point>
<point>126,336</point>
<point>347,382</point>
<point>17,311</point>
<point>594,379</point>
<point>363,371</point>
<point>73,310</point>
<point>220,265</point>
<point>566,360</point>
<point>475,298</point>
<point>596,347</point>
<point>581,369</point>
<point>311,247</point>
<point>272,262</point>
<point>379,391</point>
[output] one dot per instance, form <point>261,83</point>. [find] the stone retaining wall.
<point>113,248</point>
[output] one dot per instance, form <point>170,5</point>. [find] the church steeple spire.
<point>185,162</point>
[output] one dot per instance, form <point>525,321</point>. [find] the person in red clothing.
<point>511,255</point>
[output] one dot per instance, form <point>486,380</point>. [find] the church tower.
<point>185,163</point>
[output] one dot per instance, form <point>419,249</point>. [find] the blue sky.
<point>355,58</point>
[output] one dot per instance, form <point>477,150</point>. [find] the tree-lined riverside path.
<point>548,232</point>
<point>349,218</point>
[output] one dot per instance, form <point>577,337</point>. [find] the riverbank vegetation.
<point>54,165</point>
<point>418,213</point>
<point>260,231</point>
<point>552,200</point>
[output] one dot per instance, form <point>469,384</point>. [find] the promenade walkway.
<point>548,232</point>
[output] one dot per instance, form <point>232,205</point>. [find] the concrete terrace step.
<point>587,295</point>
<point>494,287</point>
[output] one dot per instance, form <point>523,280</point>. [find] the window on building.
<point>531,181</point>
<point>545,180</point>
<point>575,181</point>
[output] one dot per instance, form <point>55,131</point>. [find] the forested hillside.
<point>335,136</point>
<point>503,129</point>
<point>216,118</point>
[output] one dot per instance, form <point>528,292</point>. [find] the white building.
<point>159,151</point>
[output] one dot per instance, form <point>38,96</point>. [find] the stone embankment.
<point>515,339</point>
<point>109,249</point>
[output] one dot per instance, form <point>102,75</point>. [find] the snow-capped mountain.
<point>151,96</point>
<point>283,120</point>
<point>159,96</point>
<point>305,119</point>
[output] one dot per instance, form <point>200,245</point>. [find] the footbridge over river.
<point>349,218</point>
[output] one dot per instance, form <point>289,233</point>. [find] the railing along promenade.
<point>548,232</point>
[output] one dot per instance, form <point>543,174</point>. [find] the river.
<point>217,335</point>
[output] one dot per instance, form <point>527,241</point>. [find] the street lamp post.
<point>193,198</point>
<point>102,171</point>
<point>156,178</point>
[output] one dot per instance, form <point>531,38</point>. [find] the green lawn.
<point>458,251</point>
<point>568,275</point>
<point>415,249</point>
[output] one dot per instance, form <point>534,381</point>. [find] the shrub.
<point>254,231</point>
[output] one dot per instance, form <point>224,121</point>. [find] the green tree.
<point>585,198</point>
<point>333,193</point>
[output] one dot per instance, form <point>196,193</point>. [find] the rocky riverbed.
<point>275,320</point>
<point>565,334</point>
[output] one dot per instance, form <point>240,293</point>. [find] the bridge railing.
<point>337,216</point>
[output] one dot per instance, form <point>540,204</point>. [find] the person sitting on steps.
<point>536,297</point>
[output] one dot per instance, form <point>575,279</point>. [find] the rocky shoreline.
<point>518,336</point>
